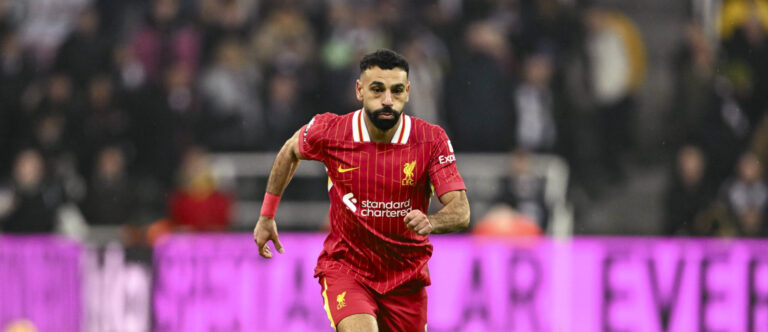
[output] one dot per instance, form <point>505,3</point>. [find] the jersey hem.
<point>321,268</point>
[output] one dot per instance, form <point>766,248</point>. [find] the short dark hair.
<point>384,59</point>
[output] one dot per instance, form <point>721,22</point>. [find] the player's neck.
<point>381,136</point>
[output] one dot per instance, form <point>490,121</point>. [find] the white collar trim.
<point>360,129</point>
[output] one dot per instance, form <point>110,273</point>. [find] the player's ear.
<point>407,91</point>
<point>359,90</point>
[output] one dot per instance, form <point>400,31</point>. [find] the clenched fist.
<point>418,222</point>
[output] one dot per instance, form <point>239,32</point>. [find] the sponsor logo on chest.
<point>378,209</point>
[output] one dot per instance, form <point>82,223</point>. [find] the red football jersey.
<point>372,187</point>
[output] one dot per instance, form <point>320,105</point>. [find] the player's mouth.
<point>384,118</point>
<point>386,115</point>
<point>386,112</point>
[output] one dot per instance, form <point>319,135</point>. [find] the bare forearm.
<point>285,165</point>
<point>453,217</point>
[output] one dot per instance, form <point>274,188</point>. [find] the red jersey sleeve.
<point>312,137</point>
<point>442,166</point>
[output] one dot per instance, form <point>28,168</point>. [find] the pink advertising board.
<point>218,283</point>
<point>40,282</point>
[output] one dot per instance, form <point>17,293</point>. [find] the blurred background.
<point>123,121</point>
<point>651,115</point>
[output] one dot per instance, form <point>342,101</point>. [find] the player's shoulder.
<point>326,120</point>
<point>330,126</point>
<point>423,131</point>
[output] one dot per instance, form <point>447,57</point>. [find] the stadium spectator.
<point>430,59</point>
<point>57,95</point>
<point>166,40</point>
<point>16,74</point>
<point>744,51</point>
<point>353,31</point>
<point>44,24</point>
<point>111,198</point>
<point>197,204</point>
<point>53,97</point>
<point>284,111</point>
<point>535,130</point>
<point>694,69</point>
<point>734,13</point>
<point>688,194</point>
<point>746,198</point>
<point>36,198</point>
<point>234,112</point>
<point>523,190</point>
<point>760,142</point>
<point>170,118</point>
<point>478,93</point>
<point>543,24</point>
<point>284,41</point>
<point>5,17</point>
<point>105,121</point>
<point>616,60</point>
<point>128,71</point>
<point>726,127</point>
<point>85,51</point>
<point>220,20</point>
<point>61,163</point>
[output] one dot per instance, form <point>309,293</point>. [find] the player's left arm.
<point>453,217</point>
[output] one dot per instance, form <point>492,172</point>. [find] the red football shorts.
<point>402,309</point>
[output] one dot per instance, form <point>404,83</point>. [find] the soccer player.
<point>382,165</point>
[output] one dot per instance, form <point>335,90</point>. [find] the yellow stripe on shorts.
<point>326,306</point>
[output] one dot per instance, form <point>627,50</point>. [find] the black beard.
<point>383,124</point>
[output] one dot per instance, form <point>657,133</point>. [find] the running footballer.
<point>383,165</point>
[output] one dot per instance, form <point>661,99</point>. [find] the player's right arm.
<point>286,163</point>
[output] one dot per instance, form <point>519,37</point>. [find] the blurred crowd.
<point>110,108</point>
<point>719,126</point>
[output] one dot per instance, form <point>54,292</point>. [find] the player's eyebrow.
<point>393,86</point>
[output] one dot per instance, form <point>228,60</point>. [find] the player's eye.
<point>377,89</point>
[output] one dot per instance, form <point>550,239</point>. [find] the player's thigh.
<point>358,322</point>
<point>343,297</point>
<point>404,311</point>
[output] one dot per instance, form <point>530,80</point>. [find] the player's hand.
<point>266,230</point>
<point>418,222</point>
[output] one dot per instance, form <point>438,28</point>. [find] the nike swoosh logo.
<point>344,170</point>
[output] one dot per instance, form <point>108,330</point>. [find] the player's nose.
<point>387,99</point>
